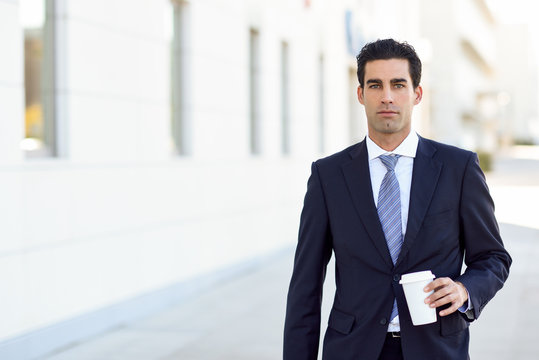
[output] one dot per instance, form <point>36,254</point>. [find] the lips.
<point>387,112</point>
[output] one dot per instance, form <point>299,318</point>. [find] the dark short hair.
<point>389,49</point>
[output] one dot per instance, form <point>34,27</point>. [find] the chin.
<point>388,128</point>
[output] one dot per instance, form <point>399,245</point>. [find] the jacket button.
<point>383,321</point>
<point>396,277</point>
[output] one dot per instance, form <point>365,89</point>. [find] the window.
<point>180,55</point>
<point>254,92</point>
<point>39,78</point>
<point>285,99</point>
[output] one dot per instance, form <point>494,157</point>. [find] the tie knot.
<point>389,161</point>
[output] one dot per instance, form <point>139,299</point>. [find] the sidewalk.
<point>242,319</point>
<point>508,323</point>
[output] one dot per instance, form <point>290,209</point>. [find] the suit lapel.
<point>424,180</point>
<point>357,175</point>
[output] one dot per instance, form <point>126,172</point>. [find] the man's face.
<point>389,97</point>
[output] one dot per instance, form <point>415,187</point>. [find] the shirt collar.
<point>408,147</point>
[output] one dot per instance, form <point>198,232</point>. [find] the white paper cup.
<point>413,285</point>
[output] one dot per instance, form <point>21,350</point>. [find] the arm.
<point>302,324</point>
<point>487,261</point>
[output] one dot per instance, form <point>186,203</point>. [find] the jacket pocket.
<point>452,324</point>
<point>340,321</point>
<point>438,218</point>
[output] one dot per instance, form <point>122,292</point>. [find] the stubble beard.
<point>388,127</point>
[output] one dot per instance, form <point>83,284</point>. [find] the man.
<point>393,204</point>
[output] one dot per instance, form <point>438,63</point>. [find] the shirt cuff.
<point>467,304</point>
<point>467,307</point>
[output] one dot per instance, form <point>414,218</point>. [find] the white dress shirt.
<point>403,170</point>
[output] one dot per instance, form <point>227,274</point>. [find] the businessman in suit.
<point>395,203</point>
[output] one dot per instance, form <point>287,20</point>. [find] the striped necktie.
<point>389,212</point>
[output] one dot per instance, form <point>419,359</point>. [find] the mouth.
<point>387,113</point>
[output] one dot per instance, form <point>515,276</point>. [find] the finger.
<point>437,283</point>
<point>453,298</point>
<point>440,293</point>
<point>448,299</point>
<point>450,310</point>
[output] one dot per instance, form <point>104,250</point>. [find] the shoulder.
<point>342,156</point>
<point>444,152</point>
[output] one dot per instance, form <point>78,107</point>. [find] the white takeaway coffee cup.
<point>413,284</point>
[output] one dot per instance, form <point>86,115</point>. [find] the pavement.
<point>242,318</point>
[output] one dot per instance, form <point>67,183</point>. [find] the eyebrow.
<point>392,81</point>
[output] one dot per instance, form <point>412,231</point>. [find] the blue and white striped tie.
<point>389,212</point>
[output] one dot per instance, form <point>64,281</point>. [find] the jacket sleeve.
<point>302,323</point>
<point>487,261</point>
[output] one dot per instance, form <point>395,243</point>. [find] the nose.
<point>387,97</point>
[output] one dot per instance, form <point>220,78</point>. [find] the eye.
<point>399,86</point>
<point>374,86</point>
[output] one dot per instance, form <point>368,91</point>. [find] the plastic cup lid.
<point>416,276</point>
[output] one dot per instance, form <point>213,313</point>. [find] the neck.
<point>388,142</point>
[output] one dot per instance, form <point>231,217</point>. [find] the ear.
<point>418,91</point>
<point>360,95</point>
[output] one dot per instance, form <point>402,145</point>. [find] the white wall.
<point>116,80</point>
<point>89,236</point>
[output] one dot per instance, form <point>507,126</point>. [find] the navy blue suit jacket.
<point>451,219</point>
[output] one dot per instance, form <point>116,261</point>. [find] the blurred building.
<point>475,99</point>
<point>151,148</point>
<point>461,70</point>
<point>518,95</point>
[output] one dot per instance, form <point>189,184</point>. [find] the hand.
<point>446,291</point>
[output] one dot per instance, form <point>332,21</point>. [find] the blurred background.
<point>154,150</point>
